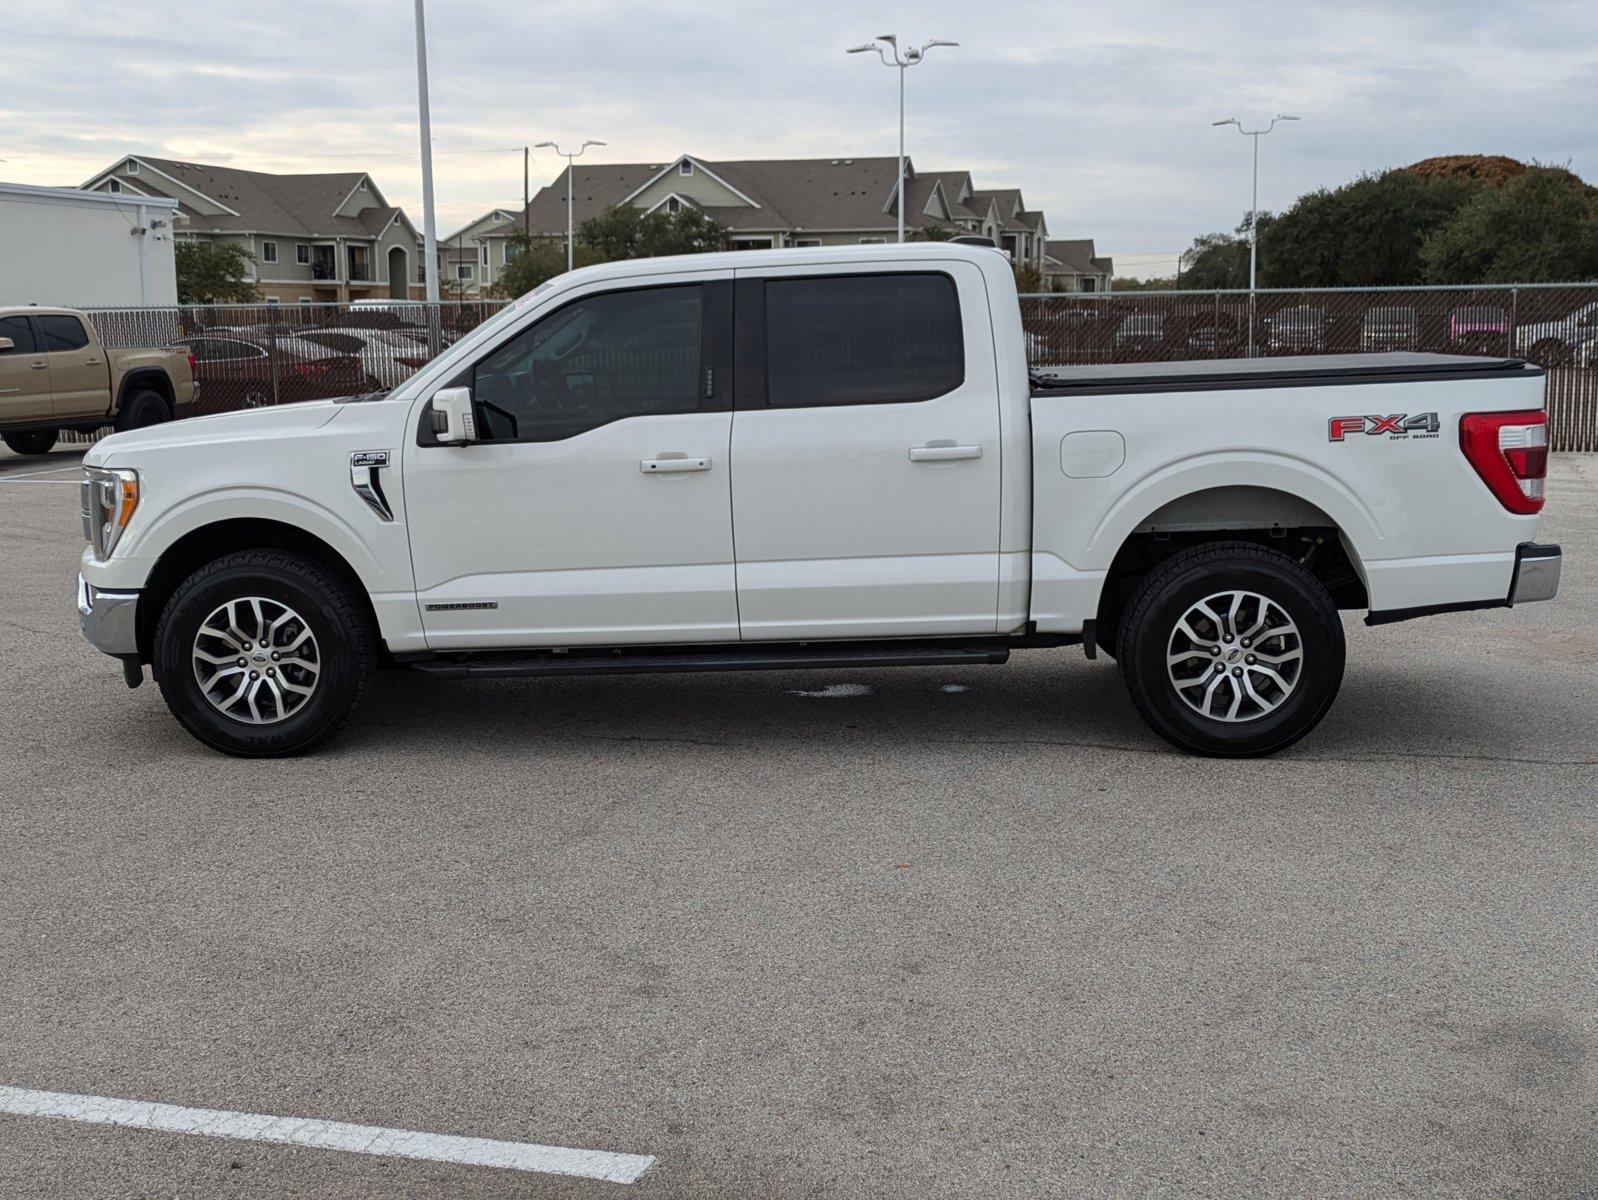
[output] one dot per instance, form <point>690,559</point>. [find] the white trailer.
<point>63,247</point>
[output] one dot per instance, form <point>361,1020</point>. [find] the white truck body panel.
<point>814,522</point>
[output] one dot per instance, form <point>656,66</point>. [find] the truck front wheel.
<point>1231,649</point>
<point>263,653</point>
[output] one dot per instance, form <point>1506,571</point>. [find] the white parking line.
<point>45,471</point>
<point>67,482</point>
<point>327,1135</point>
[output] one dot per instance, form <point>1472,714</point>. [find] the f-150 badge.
<point>1400,425</point>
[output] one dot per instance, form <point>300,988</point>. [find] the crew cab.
<point>819,458</point>
<point>55,374</point>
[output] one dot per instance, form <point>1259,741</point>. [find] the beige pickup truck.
<point>55,374</point>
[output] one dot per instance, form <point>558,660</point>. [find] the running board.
<point>751,658</point>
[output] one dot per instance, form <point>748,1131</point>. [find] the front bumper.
<point>108,619</point>
<point>1536,573</point>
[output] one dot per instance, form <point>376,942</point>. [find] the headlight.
<point>108,499</point>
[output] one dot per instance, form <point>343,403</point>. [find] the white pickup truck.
<point>811,458</point>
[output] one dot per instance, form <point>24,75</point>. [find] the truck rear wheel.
<point>1231,649</point>
<point>143,409</point>
<point>263,653</point>
<point>34,441</point>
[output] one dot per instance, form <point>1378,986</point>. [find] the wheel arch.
<point>208,542</point>
<point>147,378</point>
<point>1279,518</point>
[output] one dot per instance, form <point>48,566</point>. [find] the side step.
<point>743,658</point>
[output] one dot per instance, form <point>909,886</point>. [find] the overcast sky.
<point>1099,112</point>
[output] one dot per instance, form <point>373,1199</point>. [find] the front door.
<point>866,454</point>
<point>80,381</point>
<point>597,509</point>
<point>24,375</point>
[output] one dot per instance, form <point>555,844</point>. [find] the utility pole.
<point>527,220</point>
<point>903,62</point>
<point>1253,214</point>
<point>570,160</point>
<point>429,223</point>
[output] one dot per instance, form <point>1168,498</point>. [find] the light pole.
<point>570,159</point>
<point>1253,213</point>
<point>429,224</point>
<point>903,60</point>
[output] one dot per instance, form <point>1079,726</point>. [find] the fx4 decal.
<point>1399,425</point>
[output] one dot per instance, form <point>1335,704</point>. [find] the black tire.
<point>344,646</point>
<point>1169,594</point>
<point>143,409</point>
<point>33,441</point>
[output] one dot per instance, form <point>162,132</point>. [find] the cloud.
<point>1101,113</point>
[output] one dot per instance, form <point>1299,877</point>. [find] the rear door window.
<point>62,332</point>
<point>862,339</point>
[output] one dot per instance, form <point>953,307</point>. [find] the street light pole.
<point>1253,214</point>
<point>570,158</point>
<point>429,223</point>
<point>903,61</point>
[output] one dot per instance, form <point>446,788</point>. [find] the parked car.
<point>243,369</point>
<point>1388,328</point>
<point>1297,329</point>
<point>387,356</point>
<point>553,496</point>
<point>1569,341</point>
<point>1139,335</point>
<point>384,314</point>
<point>55,374</point>
<point>1478,329</point>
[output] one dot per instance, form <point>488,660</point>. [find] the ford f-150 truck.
<point>813,458</point>
<point>55,374</point>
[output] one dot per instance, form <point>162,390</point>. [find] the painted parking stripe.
<point>9,475</point>
<point>327,1135</point>
<point>58,482</point>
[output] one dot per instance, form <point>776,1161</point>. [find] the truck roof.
<point>1303,370</point>
<point>725,260</point>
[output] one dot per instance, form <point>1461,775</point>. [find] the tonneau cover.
<point>1305,370</point>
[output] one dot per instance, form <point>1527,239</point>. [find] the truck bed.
<point>1308,370</point>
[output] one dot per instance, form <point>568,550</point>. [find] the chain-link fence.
<point>1555,326</point>
<point>252,355</point>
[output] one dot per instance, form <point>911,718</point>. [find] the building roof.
<point>1075,256</point>
<point>262,202</point>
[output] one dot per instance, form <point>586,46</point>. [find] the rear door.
<point>865,453</point>
<point>80,381</point>
<point>24,375</point>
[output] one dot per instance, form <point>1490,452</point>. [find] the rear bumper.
<point>109,619</point>
<point>1536,577</point>
<point>1536,573</point>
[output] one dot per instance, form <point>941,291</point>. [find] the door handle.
<point>91,362</point>
<point>673,462</point>
<point>39,366</point>
<point>943,451</point>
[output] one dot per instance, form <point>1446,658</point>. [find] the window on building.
<point>114,186</point>
<point>862,339</point>
<point>133,166</point>
<point>498,217</point>
<point>673,206</point>
<point>685,167</point>
<point>599,359</point>
<point>485,254</point>
<point>807,241</point>
<point>302,254</point>
<point>882,241</point>
<point>305,300</point>
<point>362,187</point>
<point>269,252</point>
<point>465,271</point>
<point>272,301</point>
<point>62,333</point>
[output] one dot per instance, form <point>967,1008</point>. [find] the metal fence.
<point>1554,325</point>
<point>252,355</point>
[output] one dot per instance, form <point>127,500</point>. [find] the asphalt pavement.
<point>946,933</point>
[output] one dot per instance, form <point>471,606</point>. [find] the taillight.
<point>1510,453</point>
<point>310,369</point>
<point>194,366</point>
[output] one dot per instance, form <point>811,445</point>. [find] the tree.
<point>530,261</point>
<point>1539,226</point>
<point>1367,233</point>
<point>1218,260</point>
<point>1028,278</point>
<point>626,232</point>
<point>930,233</point>
<point>215,273</point>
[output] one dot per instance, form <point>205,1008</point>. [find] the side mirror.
<point>454,423</point>
<point>6,344</point>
